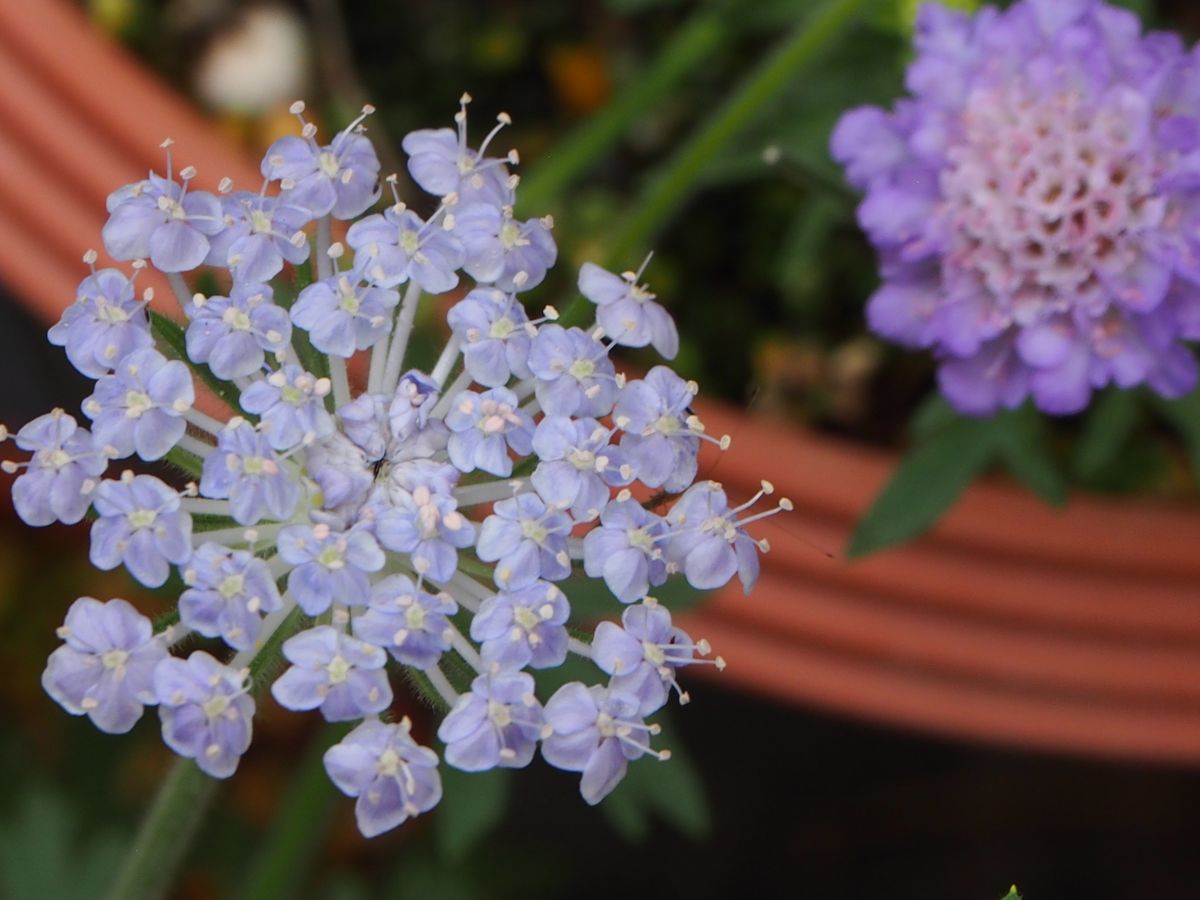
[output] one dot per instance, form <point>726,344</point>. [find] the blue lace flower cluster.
<point>424,516</point>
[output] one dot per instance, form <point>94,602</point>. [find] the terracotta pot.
<point>1074,630</point>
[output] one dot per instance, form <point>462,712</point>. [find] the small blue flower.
<point>260,233</point>
<point>527,540</point>
<point>597,731</point>
<point>523,627</point>
<point>140,406</point>
<point>141,525</point>
<point>498,723</point>
<point>412,403</point>
<point>103,325</point>
<point>331,567</point>
<point>206,711</point>
<point>341,178</point>
<point>483,427</point>
<point>627,311</point>
<point>426,524</point>
<point>643,653</point>
<point>660,439</point>
<point>574,374</point>
<point>291,403</point>
<point>512,255</point>
<point>228,593</point>
<point>577,465</point>
<point>393,247</point>
<point>163,220</point>
<point>58,482</point>
<point>230,334</point>
<point>342,315</point>
<point>491,325</point>
<point>408,622</point>
<point>626,550</point>
<point>247,471</point>
<point>392,776</point>
<point>440,161</point>
<point>708,542</point>
<point>105,668</point>
<point>340,675</point>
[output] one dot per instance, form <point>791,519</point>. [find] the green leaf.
<point>930,417</point>
<point>171,338</point>
<point>1012,894</point>
<point>1025,448</point>
<point>926,483</point>
<point>671,791</point>
<point>1106,431</point>
<point>472,804</point>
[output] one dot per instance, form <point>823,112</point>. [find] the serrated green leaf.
<point>1025,448</point>
<point>1106,431</point>
<point>926,483</point>
<point>472,804</point>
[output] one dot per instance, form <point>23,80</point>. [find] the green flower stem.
<point>287,854</point>
<point>183,799</point>
<point>692,46</point>
<point>165,835</point>
<point>667,191</point>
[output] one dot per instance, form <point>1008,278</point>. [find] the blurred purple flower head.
<point>1034,204</point>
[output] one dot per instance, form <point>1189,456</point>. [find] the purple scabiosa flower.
<point>491,325</point>
<point>574,374</point>
<point>523,627</point>
<point>483,427</point>
<point>577,465</point>
<point>643,653</point>
<point>331,567</point>
<point>393,777</point>
<point>527,540</point>
<point>662,434</point>
<point>342,315</point>
<point>597,731</point>
<point>233,334</point>
<point>340,178</point>
<point>393,247</point>
<point>105,668</point>
<point>228,593</point>
<point>440,161</point>
<point>626,549</point>
<point>627,310</point>
<point>291,403</point>
<point>139,407</point>
<point>162,219</point>
<point>341,675</point>
<point>59,479</point>
<point>104,324</point>
<point>1032,204</point>
<point>260,234</point>
<point>206,711</point>
<point>499,250</point>
<point>426,524</point>
<point>498,723</point>
<point>408,622</point>
<point>708,541</point>
<point>141,525</point>
<point>246,471</point>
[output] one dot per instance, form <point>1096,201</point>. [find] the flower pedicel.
<point>433,513</point>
